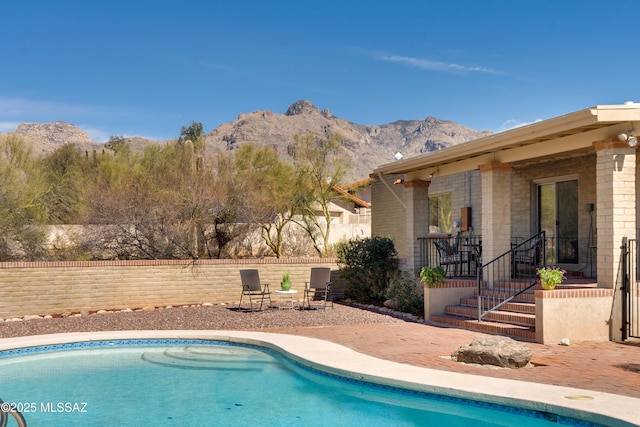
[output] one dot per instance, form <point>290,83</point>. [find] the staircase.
<point>515,319</point>
<point>506,292</point>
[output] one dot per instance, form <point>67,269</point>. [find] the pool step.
<point>201,357</point>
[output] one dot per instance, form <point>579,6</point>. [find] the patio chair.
<point>525,260</point>
<point>449,256</point>
<point>318,288</point>
<point>253,288</point>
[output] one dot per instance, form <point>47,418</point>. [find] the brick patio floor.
<point>607,366</point>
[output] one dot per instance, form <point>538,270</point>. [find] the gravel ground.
<point>201,317</point>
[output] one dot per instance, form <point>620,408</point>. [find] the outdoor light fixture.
<point>630,138</point>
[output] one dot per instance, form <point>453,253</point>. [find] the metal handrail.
<point>16,414</point>
<point>501,280</point>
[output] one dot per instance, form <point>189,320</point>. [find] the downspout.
<point>391,190</point>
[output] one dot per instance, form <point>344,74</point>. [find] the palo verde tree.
<point>321,165</point>
<point>269,190</point>
<point>155,209</point>
<point>65,170</point>
<point>23,208</point>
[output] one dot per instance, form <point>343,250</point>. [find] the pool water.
<point>197,383</point>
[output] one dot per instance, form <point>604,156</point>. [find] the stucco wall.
<point>437,299</point>
<point>576,314</point>
<point>41,288</point>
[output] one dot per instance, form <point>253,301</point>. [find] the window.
<point>440,213</point>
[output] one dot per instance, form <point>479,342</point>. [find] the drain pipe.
<point>391,190</point>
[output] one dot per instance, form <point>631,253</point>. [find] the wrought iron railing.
<point>630,289</point>
<point>504,278</point>
<point>558,250</point>
<point>460,256</point>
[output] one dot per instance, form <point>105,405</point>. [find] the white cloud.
<point>426,64</point>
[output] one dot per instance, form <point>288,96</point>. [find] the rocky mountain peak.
<point>368,146</point>
<point>56,133</point>
<point>301,107</point>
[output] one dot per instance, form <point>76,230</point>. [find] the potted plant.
<point>432,276</point>
<point>550,277</point>
<point>286,281</point>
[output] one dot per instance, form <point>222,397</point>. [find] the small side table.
<point>286,298</point>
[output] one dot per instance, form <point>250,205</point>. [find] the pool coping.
<point>592,406</point>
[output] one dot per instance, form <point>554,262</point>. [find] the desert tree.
<point>194,133</point>
<point>23,208</point>
<point>268,187</point>
<point>117,143</point>
<point>321,166</point>
<point>65,170</point>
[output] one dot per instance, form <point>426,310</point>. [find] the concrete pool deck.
<point>350,360</point>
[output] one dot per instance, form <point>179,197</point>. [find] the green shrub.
<point>366,266</point>
<point>405,294</point>
<point>433,276</point>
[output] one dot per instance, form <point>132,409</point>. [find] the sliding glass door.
<point>558,217</point>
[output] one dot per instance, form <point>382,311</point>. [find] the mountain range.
<point>368,146</point>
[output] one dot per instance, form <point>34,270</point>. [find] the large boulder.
<point>494,350</point>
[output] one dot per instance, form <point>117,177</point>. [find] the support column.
<point>417,219</point>
<point>616,205</point>
<point>496,210</point>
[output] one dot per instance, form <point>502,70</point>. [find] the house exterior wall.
<point>522,186</point>
<point>388,215</point>
<point>496,219</point>
<point>616,215</point>
<point>400,210</point>
<point>466,191</point>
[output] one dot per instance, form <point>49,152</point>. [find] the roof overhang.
<point>569,135</point>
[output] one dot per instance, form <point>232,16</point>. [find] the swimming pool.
<point>195,382</point>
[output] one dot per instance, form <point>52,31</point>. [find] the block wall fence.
<point>50,288</point>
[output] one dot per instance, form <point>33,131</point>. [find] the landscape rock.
<point>390,303</point>
<point>493,350</point>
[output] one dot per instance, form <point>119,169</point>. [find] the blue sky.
<point>147,68</point>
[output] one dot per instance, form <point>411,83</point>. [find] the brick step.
<point>525,297</point>
<point>515,331</point>
<point>520,319</point>
<point>513,306</point>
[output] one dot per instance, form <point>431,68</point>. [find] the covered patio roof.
<point>564,136</point>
